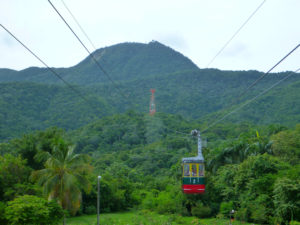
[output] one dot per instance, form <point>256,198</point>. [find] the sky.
<point>196,28</point>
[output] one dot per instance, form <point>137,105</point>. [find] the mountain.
<point>33,99</point>
<point>122,62</point>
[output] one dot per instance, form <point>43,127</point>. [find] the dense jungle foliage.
<point>251,169</point>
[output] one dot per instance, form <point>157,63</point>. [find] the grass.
<point>145,218</point>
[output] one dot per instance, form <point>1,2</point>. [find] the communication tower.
<point>152,109</point>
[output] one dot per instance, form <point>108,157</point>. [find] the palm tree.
<point>239,150</point>
<point>235,153</point>
<point>64,176</point>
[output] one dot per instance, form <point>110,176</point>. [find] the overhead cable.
<point>52,70</point>
<point>90,54</point>
<point>82,30</point>
<point>255,82</point>
<point>225,45</point>
<point>265,74</point>
<point>251,100</point>
<point>78,24</point>
<point>178,132</point>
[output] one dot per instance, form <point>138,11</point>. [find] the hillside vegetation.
<point>26,107</point>
<point>251,169</point>
<point>205,95</point>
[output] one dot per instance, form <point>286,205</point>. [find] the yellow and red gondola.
<point>193,172</point>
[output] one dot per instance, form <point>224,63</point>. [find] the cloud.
<point>175,41</point>
<point>7,41</point>
<point>238,49</point>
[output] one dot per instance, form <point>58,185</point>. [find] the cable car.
<point>193,177</point>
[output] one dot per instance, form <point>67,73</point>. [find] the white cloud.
<point>174,40</point>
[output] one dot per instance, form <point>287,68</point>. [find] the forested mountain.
<point>181,88</point>
<point>122,62</point>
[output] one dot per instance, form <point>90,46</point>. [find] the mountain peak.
<point>130,60</point>
<point>122,62</point>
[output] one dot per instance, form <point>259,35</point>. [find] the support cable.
<point>233,36</point>
<point>78,24</point>
<point>85,34</point>
<point>255,82</point>
<point>52,70</point>
<point>90,54</point>
<point>265,74</point>
<point>178,132</point>
<point>251,100</point>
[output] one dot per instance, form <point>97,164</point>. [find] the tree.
<point>287,199</point>
<point>64,176</point>
<point>2,210</point>
<point>235,152</point>
<point>14,176</point>
<point>30,144</point>
<point>287,145</point>
<point>32,210</point>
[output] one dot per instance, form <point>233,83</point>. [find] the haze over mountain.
<point>35,99</point>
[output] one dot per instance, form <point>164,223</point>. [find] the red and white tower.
<point>152,109</point>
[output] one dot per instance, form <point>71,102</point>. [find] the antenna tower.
<point>152,109</point>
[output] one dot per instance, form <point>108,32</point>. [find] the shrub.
<point>90,210</point>
<point>32,210</point>
<point>149,202</point>
<point>2,209</point>
<point>56,212</point>
<point>169,201</point>
<point>242,214</point>
<point>225,208</point>
<point>201,211</point>
<point>258,213</point>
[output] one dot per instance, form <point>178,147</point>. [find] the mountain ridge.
<point>181,88</point>
<point>121,61</point>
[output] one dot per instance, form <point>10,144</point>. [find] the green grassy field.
<point>139,218</point>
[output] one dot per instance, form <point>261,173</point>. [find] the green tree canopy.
<point>14,176</point>
<point>287,145</point>
<point>64,176</point>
